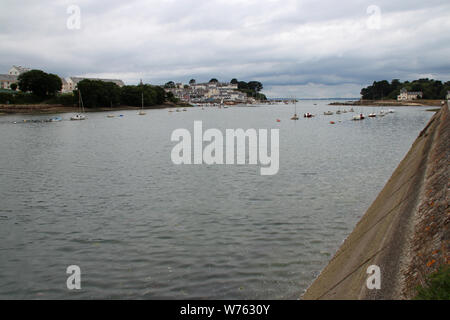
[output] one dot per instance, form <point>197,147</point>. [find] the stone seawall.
<point>404,231</point>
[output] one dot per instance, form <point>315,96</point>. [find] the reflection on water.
<point>103,194</point>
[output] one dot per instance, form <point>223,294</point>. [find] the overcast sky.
<point>305,48</point>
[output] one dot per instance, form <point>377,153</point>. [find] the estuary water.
<point>103,194</point>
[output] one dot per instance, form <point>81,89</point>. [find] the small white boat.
<point>351,110</point>
<point>78,117</point>
<point>308,115</point>
<point>328,113</point>
<point>391,111</point>
<point>358,117</point>
<point>110,116</point>
<point>338,112</point>
<point>294,117</point>
<point>372,115</point>
<point>184,109</point>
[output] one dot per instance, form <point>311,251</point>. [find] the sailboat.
<point>295,116</point>
<point>79,116</point>
<point>142,112</point>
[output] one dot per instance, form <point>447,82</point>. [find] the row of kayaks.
<point>330,113</point>
<point>54,119</point>
<point>359,116</point>
<point>373,114</point>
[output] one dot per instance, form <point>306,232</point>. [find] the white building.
<point>65,86</point>
<point>17,70</point>
<point>6,80</point>
<point>405,95</point>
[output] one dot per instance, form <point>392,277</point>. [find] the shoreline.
<point>57,108</point>
<point>389,103</point>
<point>403,232</point>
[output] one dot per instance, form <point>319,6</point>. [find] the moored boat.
<point>358,117</point>
<point>79,116</point>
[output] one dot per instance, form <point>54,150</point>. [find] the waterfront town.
<point>196,93</point>
<point>212,92</point>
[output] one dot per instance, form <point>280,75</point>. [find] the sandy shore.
<point>404,231</point>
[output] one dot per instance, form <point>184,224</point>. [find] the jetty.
<point>405,230</point>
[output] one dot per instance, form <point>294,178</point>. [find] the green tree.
<point>170,97</point>
<point>169,85</point>
<point>13,86</point>
<point>39,83</point>
<point>192,81</point>
<point>255,86</point>
<point>96,93</point>
<point>234,81</point>
<point>132,95</point>
<point>242,85</point>
<point>213,80</point>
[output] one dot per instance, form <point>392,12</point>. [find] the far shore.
<point>57,108</point>
<point>389,103</point>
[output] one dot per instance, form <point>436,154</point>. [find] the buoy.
<point>278,120</point>
<point>332,122</point>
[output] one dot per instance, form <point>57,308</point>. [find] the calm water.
<point>103,194</point>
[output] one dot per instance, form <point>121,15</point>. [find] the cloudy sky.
<point>303,48</point>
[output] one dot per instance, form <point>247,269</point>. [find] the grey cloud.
<point>313,46</point>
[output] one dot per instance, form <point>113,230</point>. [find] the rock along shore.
<point>404,231</point>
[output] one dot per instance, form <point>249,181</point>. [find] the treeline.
<point>96,93</point>
<point>251,88</point>
<point>431,89</point>
<point>37,86</point>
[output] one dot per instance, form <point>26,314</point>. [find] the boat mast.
<point>81,100</point>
